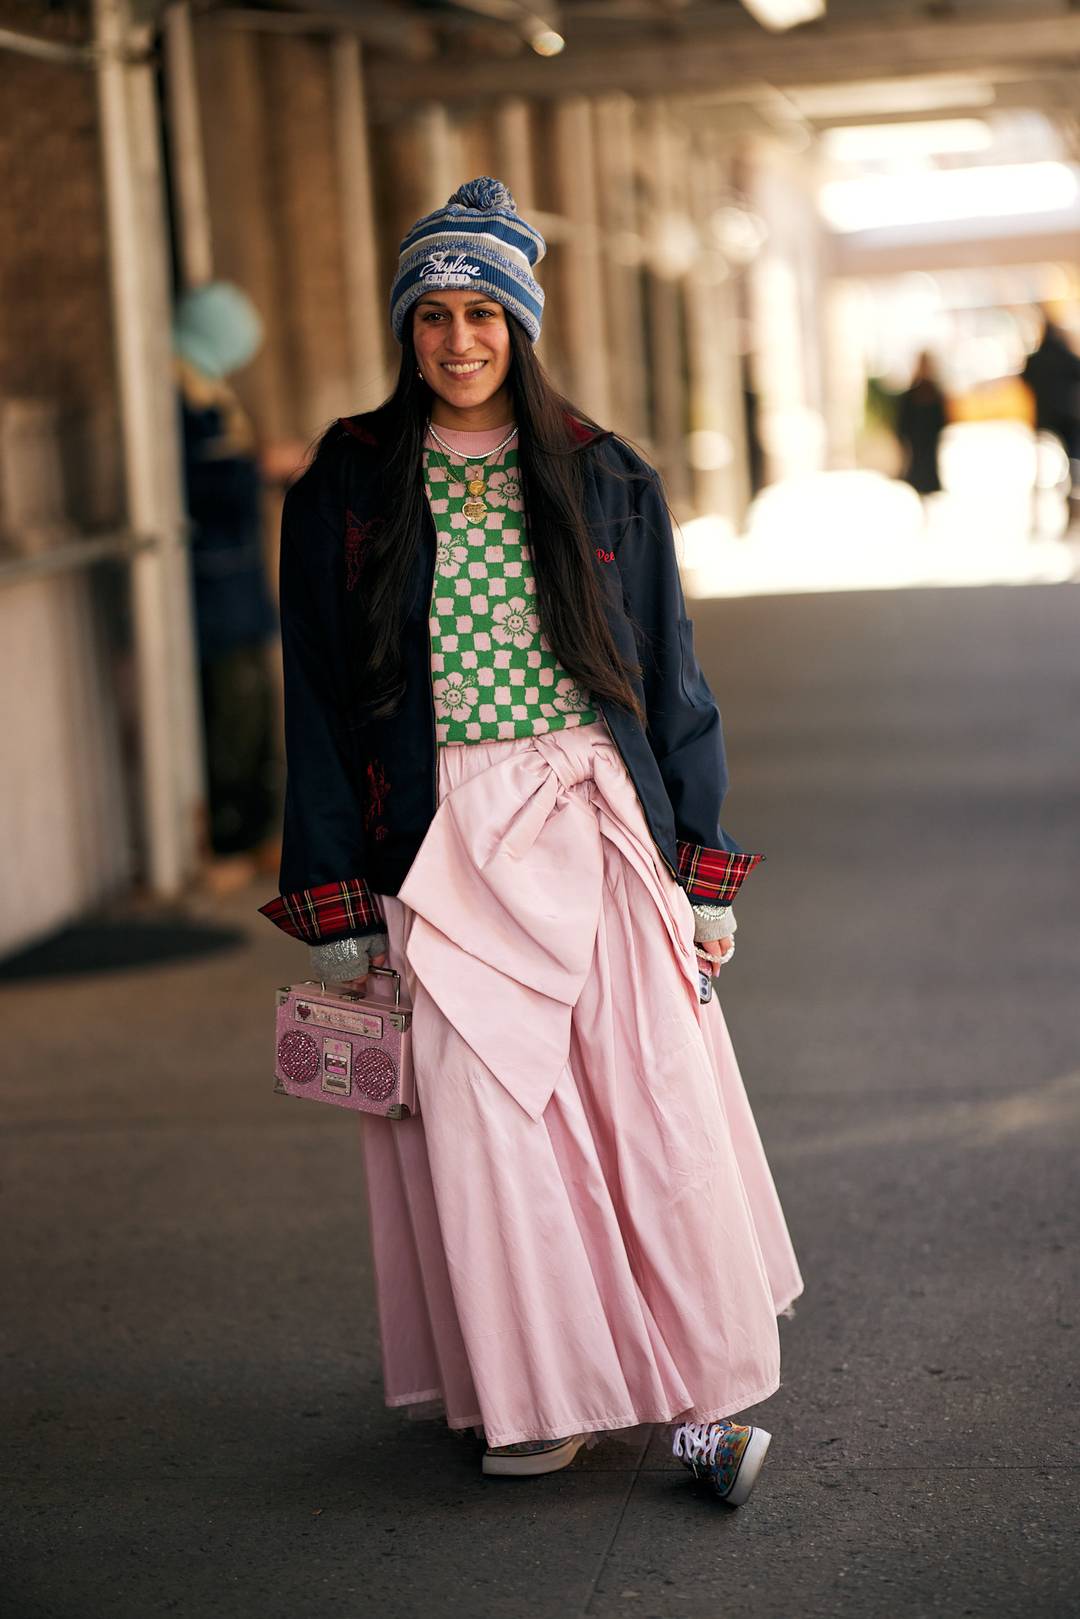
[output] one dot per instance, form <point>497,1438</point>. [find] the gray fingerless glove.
<point>345,958</point>
<point>713,922</point>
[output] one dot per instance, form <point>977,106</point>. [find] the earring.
<point>419,373</point>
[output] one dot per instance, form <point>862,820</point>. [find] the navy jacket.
<point>361,795</point>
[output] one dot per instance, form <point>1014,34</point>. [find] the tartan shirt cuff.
<point>713,876</point>
<point>326,912</point>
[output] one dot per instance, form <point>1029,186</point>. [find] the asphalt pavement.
<point>190,1399</point>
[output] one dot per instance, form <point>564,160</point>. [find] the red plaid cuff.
<point>326,912</point>
<point>713,876</point>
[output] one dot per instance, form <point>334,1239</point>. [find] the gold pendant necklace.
<point>474,509</point>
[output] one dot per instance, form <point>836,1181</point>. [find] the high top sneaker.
<point>724,1455</point>
<point>532,1456</point>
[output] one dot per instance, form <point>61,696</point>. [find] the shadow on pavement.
<point>118,944</point>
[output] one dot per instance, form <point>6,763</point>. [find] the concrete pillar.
<point>785,309</point>
<point>170,749</point>
<point>245,214</point>
<point>513,151</point>
<point>622,264</point>
<point>582,289</point>
<point>845,321</point>
<point>194,247</point>
<point>717,450</point>
<point>440,159</point>
<point>303,201</point>
<point>657,163</point>
<point>365,312</point>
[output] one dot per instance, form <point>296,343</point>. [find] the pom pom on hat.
<point>483,193</point>
<point>479,242</point>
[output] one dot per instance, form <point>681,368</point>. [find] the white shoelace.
<point>699,1441</point>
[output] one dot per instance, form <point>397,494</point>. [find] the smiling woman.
<point>462,345</point>
<point>505,772</point>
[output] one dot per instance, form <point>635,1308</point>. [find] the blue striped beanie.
<point>477,241</point>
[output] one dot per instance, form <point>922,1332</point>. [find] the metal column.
<point>170,753</point>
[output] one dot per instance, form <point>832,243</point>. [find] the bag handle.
<point>390,972</point>
<point>386,972</point>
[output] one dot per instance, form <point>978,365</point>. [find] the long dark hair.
<point>551,440</point>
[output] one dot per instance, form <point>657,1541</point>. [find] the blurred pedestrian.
<point>217,331</point>
<point>921,417</point>
<point>1052,372</point>
<point>505,771</point>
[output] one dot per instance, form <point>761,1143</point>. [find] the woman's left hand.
<point>718,951</point>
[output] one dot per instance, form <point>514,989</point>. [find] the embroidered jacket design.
<point>445,271</point>
<point>356,535</point>
<point>358,432</point>
<point>378,791</point>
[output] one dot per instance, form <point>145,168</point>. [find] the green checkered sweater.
<point>493,672</point>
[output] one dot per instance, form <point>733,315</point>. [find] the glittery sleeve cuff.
<point>713,922</point>
<point>345,958</point>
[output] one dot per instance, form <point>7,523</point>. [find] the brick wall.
<point>67,813</point>
<point>55,326</point>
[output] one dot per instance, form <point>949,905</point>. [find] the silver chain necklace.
<point>475,508</point>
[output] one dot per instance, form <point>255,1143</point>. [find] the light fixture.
<point>947,196</point>
<point>540,31</point>
<point>893,143</point>
<point>781,14</point>
<point>546,42</point>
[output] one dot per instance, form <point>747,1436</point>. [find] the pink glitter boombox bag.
<point>347,1049</point>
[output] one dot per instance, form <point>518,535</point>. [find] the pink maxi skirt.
<point>580,1231</point>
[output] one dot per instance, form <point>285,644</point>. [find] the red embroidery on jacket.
<point>356,534</point>
<point>604,556</point>
<point>378,791</point>
<point>351,424</point>
<point>579,432</point>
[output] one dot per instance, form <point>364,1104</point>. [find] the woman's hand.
<point>717,950</point>
<point>360,984</point>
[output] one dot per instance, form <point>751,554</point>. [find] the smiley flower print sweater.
<point>494,675</point>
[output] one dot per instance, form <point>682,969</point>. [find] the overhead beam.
<point>1019,96</point>
<point>862,258</point>
<point>696,59</point>
<point>936,115</point>
<point>46,50</point>
<point>398,32</point>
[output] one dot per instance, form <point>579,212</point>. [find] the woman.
<point>504,775</point>
<point>216,332</point>
<point>921,418</point>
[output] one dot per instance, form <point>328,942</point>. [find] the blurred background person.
<point>921,417</point>
<point>1052,373</point>
<point>216,331</point>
